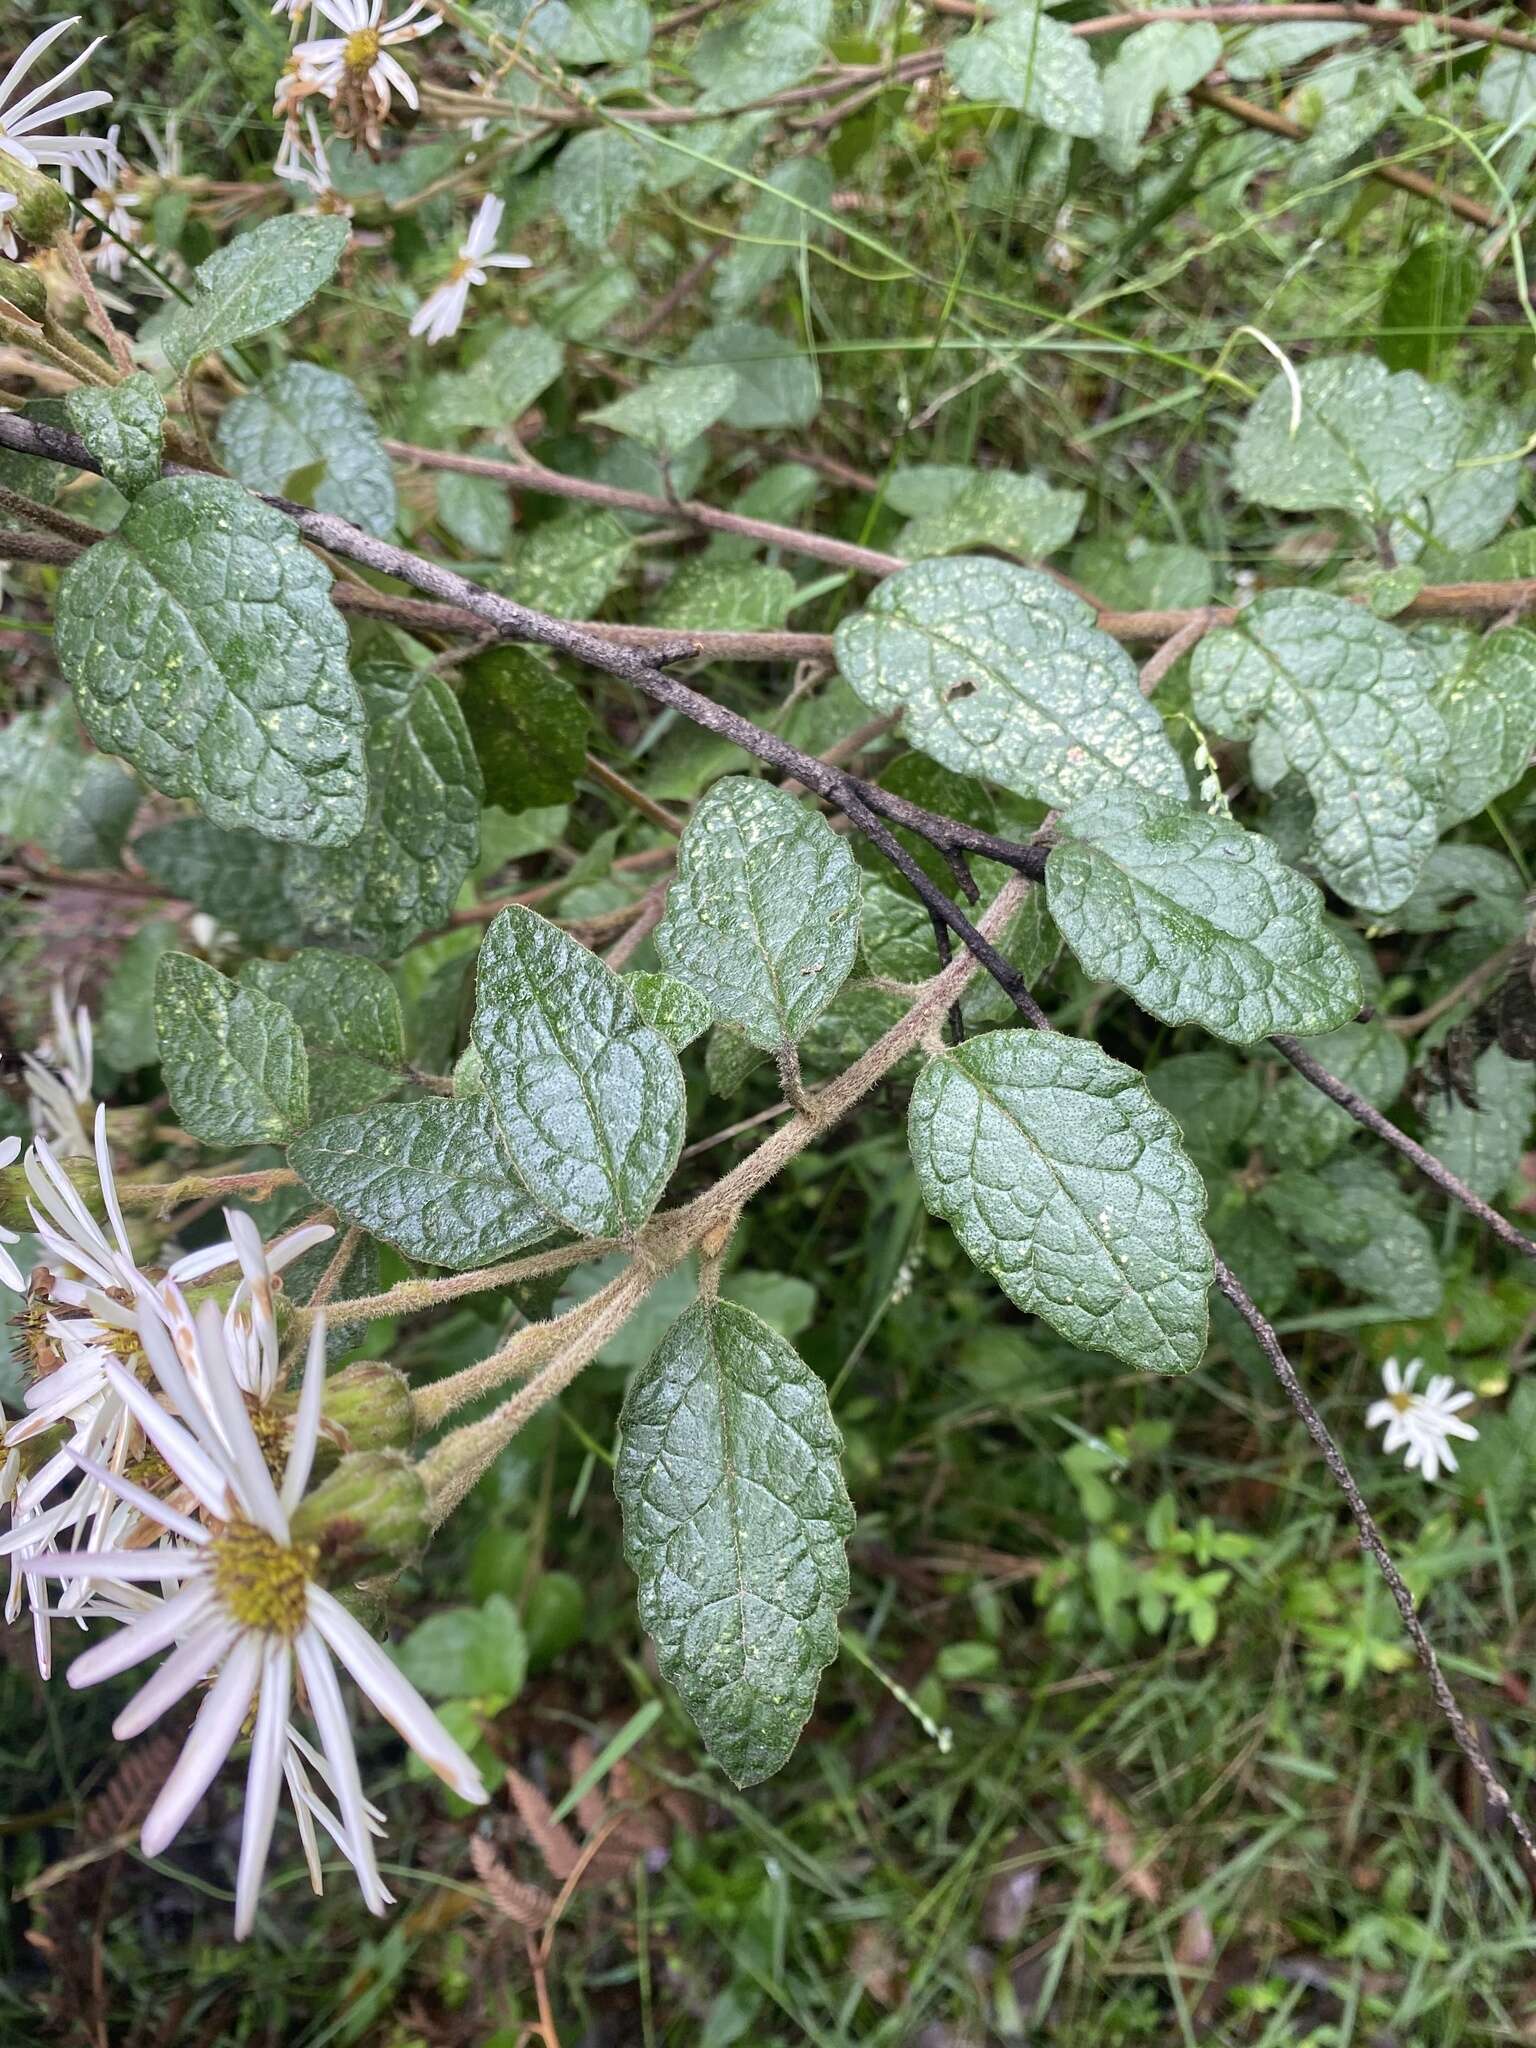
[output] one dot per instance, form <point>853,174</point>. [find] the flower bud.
<point>81,1173</point>
<point>369,1406</point>
<point>22,291</point>
<point>42,205</point>
<point>369,1517</point>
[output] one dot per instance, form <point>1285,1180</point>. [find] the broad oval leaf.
<point>203,646</point>
<point>343,1004</point>
<point>767,46</point>
<point>1200,921</point>
<point>305,418</point>
<point>679,1012</point>
<point>1481,1135</point>
<point>259,280</point>
<point>954,508</point>
<point>529,728</point>
<point>1000,672</point>
<point>1487,699</point>
<point>431,1178</point>
<point>421,836</point>
<point>1319,686</point>
<point>587,1095</point>
<point>234,1061</point>
<point>735,1520</point>
<point>1025,59</point>
<point>1068,1184</point>
<point>122,428</point>
<point>763,918</point>
<point>1367,441</point>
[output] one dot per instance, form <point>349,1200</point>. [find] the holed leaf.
<point>1318,685</point>
<point>735,1518</point>
<point>203,646</point>
<point>588,1096</point>
<point>234,1061</point>
<point>1199,920</point>
<point>429,1177</point>
<point>763,918</point>
<point>1001,673</point>
<point>1067,1182</point>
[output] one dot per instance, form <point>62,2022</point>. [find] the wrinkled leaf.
<point>234,1061</point>
<point>678,1012</point>
<point>121,427</point>
<point>1483,1145</point>
<point>956,509</point>
<point>1027,60</point>
<point>1488,703</point>
<point>760,50</point>
<point>342,1004</point>
<point>259,280</point>
<point>306,418</point>
<point>671,408</point>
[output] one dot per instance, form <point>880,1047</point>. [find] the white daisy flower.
<point>59,1079</point>
<point>10,1272</point>
<point>103,169</point>
<point>356,70</point>
<point>1422,1424</point>
<point>248,1614</point>
<point>9,247</point>
<point>442,309</point>
<point>24,123</point>
<point>301,157</point>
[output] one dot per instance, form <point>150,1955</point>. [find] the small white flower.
<point>24,130</point>
<point>1421,1423</point>
<point>442,309</point>
<point>301,157</point>
<point>103,169</point>
<point>356,70</point>
<point>248,1615</point>
<point>59,1080</point>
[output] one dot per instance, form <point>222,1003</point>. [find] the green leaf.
<point>1213,1098</point>
<point>777,384</point>
<point>1001,673</point>
<point>735,1520</point>
<point>1282,45</point>
<point>588,1096</point>
<point>1396,1266</point>
<point>497,386</point>
<point>960,508</point>
<point>568,566</point>
<point>125,1017</point>
<point>774,230</point>
<point>763,917</point>
<point>1027,60</point>
<point>122,428</point>
<point>1197,919</point>
<point>1426,305</point>
<point>732,597</point>
<point>1168,58</point>
<point>203,646</point>
<point>257,281</point>
<point>421,836</point>
<point>1319,686</point>
<point>596,178</point>
<point>476,511</point>
<point>1299,1124</point>
<point>528,728</point>
<point>1144,576</point>
<point>343,1004</point>
<point>765,47</point>
<point>1368,442</point>
<point>1067,1183</point>
<point>678,1012</point>
<point>236,877</point>
<point>1484,1144</point>
<point>303,417</point>
<point>234,1061</point>
<point>430,1177</point>
<point>606,32</point>
<point>1470,889</point>
<point>1470,505</point>
<point>76,806</point>
<point>1488,702</point>
<point>671,408</point>
<point>1506,87</point>
<point>467,1653</point>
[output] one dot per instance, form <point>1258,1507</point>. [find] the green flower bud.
<point>371,1403</point>
<point>369,1517</point>
<point>81,1174</point>
<point>22,289</point>
<point>42,204</point>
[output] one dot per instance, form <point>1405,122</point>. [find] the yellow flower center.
<point>462,268</point>
<point>264,1584</point>
<point>361,50</point>
<point>1403,1403</point>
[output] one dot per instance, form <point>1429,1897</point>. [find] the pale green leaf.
<point>430,1177</point>
<point>959,508</point>
<point>678,1012</point>
<point>1027,60</point>
<point>588,1096</point>
<point>498,384</point>
<point>597,177</point>
<point>1001,673</point>
<point>1368,441</point>
<point>421,836</point>
<point>1482,1141</point>
<point>1506,87</point>
<point>1488,703</point>
<point>203,646</point>
<point>233,1061</point>
<point>777,384</point>
<point>671,408</point>
<point>1302,1126</point>
<point>1157,62</point>
<point>259,280</point>
<point>1320,687</point>
<point>1197,919</point>
<point>1068,1184</point>
<point>306,418</point>
<point>605,32</point>
<point>569,565</point>
<point>759,50</point>
<point>1280,46</point>
<point>774,230</point>
<point>734,597</point>
<point>1136,575</point>
<point>735,1520</point>
<point>476,511</point>
<point>122,427</point>
<point>125,1014</point>
<point>1395,1267</point>
<point>1469,506</point>
<point>763,917</point>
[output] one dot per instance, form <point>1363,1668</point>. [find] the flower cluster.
<point>162,1480</point>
